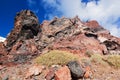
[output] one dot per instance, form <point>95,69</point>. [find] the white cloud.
<point>106,12</point>
<point>2,39</point>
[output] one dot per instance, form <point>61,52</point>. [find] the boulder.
<point>92,24</point>
<point>63,74</point>
<point>51,74</point>
<point>88,72</point>
<point>76,69</point>
<point>34,70</point>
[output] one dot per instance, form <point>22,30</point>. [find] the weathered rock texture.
<point>28,38</point>
<point>26,27</point>
<point>76,69</point>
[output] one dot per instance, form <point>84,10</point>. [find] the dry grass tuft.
<point>113,60</point>
<point>56,57</point>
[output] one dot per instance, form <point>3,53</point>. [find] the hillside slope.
<point>29,39</point>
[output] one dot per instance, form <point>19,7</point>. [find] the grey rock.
<point>76,69</point>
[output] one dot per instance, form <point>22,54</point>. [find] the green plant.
<point>56,57</point>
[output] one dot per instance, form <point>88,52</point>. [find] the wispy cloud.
<point>106,12</point>
<point>2,39</point>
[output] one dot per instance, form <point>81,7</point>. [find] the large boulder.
<point>76,69</point>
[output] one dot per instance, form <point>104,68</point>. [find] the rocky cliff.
<point>30,38</point>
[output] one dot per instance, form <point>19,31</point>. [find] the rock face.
<point>26,27</point>
<point>28,38</point>
<point>3,51</point>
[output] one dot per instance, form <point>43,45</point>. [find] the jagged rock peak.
<point>26,26</point>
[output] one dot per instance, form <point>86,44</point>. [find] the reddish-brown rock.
<point>63,74</point>
<point>50,75</point>
<point>88,72</point>
<point>28,47</point>
<point>79,45</point>
<point>3,50</point>
<point>92,24</point>
<point>26,26</point>
<point>27,39</point>
<point>34,70</point>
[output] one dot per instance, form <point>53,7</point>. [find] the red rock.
<point>28,47</point>
<point>73,35</point>
<point>1,67</point>
<point>79,45</point>
<point>34,70</point>
<point>63,74</point>
<point>3,50</point>
<point>92,24</point>
<point>26,26</point>
<point>50,74</point>
<point>88,72</point>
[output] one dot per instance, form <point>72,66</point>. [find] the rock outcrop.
<point>26,26</point>
<point>28,38</point>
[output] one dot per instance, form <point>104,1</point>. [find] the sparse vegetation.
<point>97,58</point>
<point>113,60</point>
<point>89,53</point>
<point>56,57</point>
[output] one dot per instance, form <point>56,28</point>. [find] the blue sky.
<point>8,9</point>
<point>106,12</point>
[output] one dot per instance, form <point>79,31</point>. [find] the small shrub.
<point>56,57</point>
<point>113,60</point>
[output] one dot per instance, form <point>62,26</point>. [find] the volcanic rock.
<point>3,50</point>
<point>26,27</point>
<point>80,44</point>
<point>51,74</point>
<point>3,53</point>
<point>34,70</point>
<point>76,69</point>
<point>63,74</point>
<point>28,38</point>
